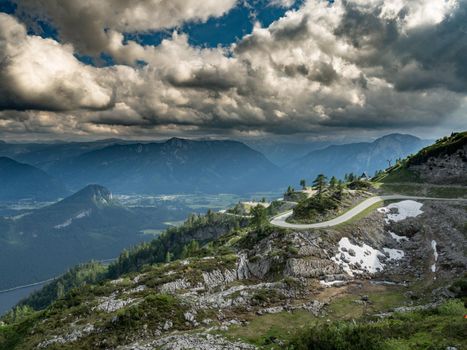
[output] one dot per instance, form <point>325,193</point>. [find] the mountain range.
<point>368,157</point>
<point>188,166</point>
<point>175,166</point>
<point>90,224</point>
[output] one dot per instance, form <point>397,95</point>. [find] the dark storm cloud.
<point>348,65</point>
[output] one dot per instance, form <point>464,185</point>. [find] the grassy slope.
<point>439,328</point>
<point>400,172</point>
<point>347,319</point>
<point>400,179</point>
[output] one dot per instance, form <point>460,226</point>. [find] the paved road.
<point>279,220</point>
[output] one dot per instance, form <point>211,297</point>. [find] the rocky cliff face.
<point>445,169</point>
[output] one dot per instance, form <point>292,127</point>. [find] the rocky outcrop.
<point>112,304</point>
<point>217,278</point>
<point>74,335</point>
<point>200,341</point>
<point>311,267</point>
<point>172,287</point>
<point>256,266</point>
<point>446,169</point>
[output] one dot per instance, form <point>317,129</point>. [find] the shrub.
<point>453,307</point>
<point>314,206</point>
<point>359,185</point>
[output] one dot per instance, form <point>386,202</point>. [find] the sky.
<point>274,69</point>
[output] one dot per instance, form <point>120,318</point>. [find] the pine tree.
<point>259,218</point>
<point>320,184</point>
<point>333,182</point>
<point>339,190</point>
<point>190,249</point>
<point>303,183</point>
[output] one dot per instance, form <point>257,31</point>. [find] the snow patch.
<point>401,210</point>
<point>394,254</point>
<point>332,283</point>
<point>398,238</point>
<point>364,258</point>
<point>356,259</point>
<point>435,253</point>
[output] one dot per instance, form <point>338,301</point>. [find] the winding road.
<point>280,220</point>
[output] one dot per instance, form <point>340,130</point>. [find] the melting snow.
<point>363,258</point>
<point>394,254</point>
<point>398,238</point>
<point>435,253</point>
<point>405,209</point>
<point>332,283</point>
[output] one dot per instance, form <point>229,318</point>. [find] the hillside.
<point>391,278</point>
<point>23,181</point>
<point>41,243</point>
<point>444,162</point>
<point>256,287</point>
<point>355,158</point>
<point>175,166</point>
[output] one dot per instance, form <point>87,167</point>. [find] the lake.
<point>11,298</point>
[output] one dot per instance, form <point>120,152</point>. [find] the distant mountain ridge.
<point>23,181</point>
<point>209,166</point>
<point>42,154</point>
<point>174,166</point>
<point>360,157</point>
<point>90,224</point>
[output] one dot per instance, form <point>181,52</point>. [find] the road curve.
<point>279,220</point>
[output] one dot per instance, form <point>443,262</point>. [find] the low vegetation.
<point>330,199</point>
<point>401,172</point>
<point>438,328</point>
<point>444,146</point>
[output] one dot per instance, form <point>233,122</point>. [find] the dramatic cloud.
<point>89,24</point>
<point>38,73</point>
<point>324,67</point>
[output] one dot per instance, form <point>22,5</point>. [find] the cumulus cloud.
<point>37,73</point>
<point>90,24</point>
<point>350,64</point>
